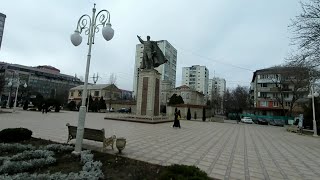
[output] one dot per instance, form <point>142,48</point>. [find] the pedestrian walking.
<point>43,107</point>
<point>177,116</point>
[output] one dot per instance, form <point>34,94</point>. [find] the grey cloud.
<point>246,33</point>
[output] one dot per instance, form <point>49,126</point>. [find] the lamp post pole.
<point>313,112</point>
<point>88,24</point>
<point>15,99</point>
<point>16,96</point>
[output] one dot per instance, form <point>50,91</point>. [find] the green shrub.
<point>15,135</point>
<point>204,114</point>
<point>180,172</point>
<point>189,114</point>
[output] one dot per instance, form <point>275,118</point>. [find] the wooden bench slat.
<point>91,134</point>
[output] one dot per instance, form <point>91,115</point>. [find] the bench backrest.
<point>90,134</point>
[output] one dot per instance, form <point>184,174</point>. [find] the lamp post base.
<point>315,135</point>
<point>80,129</point>
<point>76,153</point>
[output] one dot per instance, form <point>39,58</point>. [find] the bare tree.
<point>112,88</point>
<point>113,79</point>
<point>2,84</point>
<point>237,100</point>
<point>291,84</point>
<point>306,29</point>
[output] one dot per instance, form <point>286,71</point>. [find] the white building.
<point>217,86</point>
<point>2,21</point>
<point>197,78</point>
<point>167,70</point>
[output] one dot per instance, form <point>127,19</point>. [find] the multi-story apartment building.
<point>217,86</point>
<point>2,21</point>
<point>197,78</point>
<point>44,80</point>
<point>275,90</point>
<point>167,70</point>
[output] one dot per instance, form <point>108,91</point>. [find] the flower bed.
<point>90,165</point>
<point>16,166</point>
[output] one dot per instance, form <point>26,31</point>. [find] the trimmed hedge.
<point>15,135</point>
<point>180,172</point>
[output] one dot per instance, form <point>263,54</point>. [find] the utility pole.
<point>94,79</point>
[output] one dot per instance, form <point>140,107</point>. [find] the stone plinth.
<point>148,97</point>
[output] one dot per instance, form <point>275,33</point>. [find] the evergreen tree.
<point>188,114</point>
<point>175,99</point>
<point>204,114</point>
<point>25,105</point>
<point>102,104</point>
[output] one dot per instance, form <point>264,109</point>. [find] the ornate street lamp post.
<point>90,25</point>
<point>312,96</point>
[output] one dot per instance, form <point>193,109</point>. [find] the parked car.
<point>110,110</point>
<point>123,110</point>
<point>247,120</point>
<point>263,121</point>
<point>276,122</point>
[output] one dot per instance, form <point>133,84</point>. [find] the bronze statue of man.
<point>152,54</point>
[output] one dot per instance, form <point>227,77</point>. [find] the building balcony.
<point>277,89</point>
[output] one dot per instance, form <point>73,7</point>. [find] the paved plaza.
<point>223,150</point>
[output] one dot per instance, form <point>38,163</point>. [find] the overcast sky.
<point>232,38</point>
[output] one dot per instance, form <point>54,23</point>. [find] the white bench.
<point>91,134</point>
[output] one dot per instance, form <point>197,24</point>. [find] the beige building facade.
<point>106,91</point>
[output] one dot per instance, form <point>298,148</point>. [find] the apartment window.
<point>286,95</point>
<point>80,93</point>
<point>187,97</point>
<point>285,86</point>
<point>288,103</point>
<point>275,104</point>
<point>275,95</point>
<point>96,93</point>
<point>71,94</point>
<point>263,94</point>
<point>264,85</point>
<point>263,103</point>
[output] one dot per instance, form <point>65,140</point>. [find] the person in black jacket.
<point>177,116</point>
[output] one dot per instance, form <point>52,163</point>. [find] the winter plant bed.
<point>42,159</point>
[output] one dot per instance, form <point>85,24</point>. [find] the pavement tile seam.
<point>265,173</point>
<point>291,140</point>
<point>232,153</point>
<point>283,156</point>
<point>222,148</point>
<point>216,133</point>
<point>298,161</point>
<point>271,156</point>
<point>288,149</point>
<point>247,173</point>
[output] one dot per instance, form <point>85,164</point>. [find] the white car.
<point>247,120</point>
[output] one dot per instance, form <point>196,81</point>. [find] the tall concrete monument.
<point>148,96</point>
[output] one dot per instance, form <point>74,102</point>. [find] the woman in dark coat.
<point>177,117</point>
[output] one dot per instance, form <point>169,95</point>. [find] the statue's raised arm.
<point>152,54</point>
<point>141,41</point>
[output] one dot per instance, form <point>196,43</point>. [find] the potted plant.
<point>121,143</point>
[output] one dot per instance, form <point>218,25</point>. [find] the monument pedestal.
<point>148,97</point>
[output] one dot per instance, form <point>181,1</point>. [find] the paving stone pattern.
<point>223,150</point>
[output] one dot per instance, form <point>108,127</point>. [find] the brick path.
<point>223,150</point>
